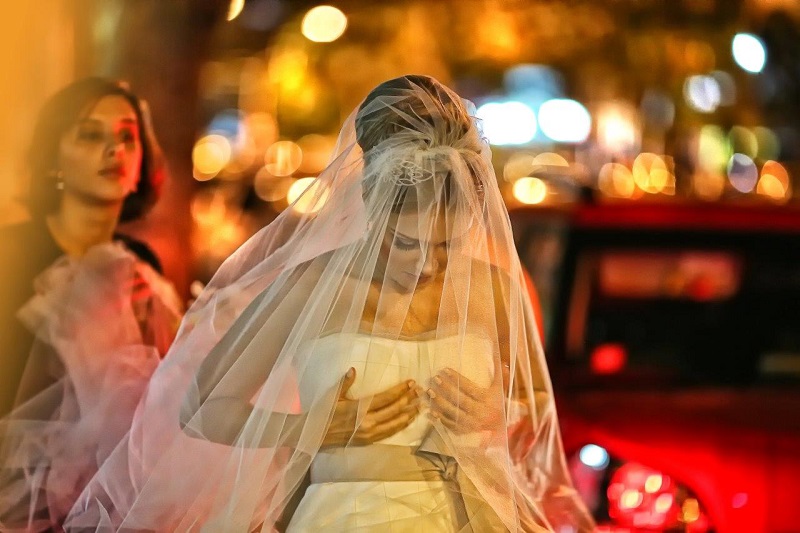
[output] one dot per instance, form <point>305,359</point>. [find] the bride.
<point>371,365</point>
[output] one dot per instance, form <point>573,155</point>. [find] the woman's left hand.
<point>461,404</point>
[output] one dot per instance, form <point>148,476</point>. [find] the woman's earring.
<point>59,177</point>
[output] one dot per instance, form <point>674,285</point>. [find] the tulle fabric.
<point>101,324</point>
<point>397,261</point>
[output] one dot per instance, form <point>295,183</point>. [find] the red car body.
<point>732,442</point>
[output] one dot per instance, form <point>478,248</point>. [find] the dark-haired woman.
<point>86,315</point>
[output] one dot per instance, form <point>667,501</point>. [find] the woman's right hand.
<point>388,412</point>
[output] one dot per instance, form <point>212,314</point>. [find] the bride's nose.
<point>430,263</point>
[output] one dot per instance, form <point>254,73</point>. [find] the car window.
<point>714,311</point>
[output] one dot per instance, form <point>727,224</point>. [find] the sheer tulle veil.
<point>401,244</point>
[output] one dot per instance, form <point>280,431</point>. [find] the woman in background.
<point>86,314</point>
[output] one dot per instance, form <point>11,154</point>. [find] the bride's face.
<point>413,250</point>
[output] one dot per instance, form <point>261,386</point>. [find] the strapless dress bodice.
<point>381,363</point>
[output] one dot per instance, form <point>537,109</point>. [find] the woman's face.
<point>413,251</point>
<point>100,156</point>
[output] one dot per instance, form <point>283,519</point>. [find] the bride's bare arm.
<point>226,382</point>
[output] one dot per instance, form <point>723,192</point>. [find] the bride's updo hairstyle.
<point>412,127</point>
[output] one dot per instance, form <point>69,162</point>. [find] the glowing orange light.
<point>307,196</point>
<point>235,9</point>
<point>324,24</point>
<point>690,510</point>
<point>650,172</point>
<point>530,191</point>
<point>550,159</point>
<point>210,155</point>
<point>270,188</point>
<point>774,182</point>
<point>283,158</point>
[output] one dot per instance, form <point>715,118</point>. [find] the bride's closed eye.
<point>405,244</point>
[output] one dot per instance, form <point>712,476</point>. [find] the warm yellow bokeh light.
<point>618,128</point>
<point>550,159</point>
<point>518,166</point>
<point>530,191</point>
<point>713,149</point>
<point>690,510</point>
<point>283,158</point>
<point>235,9</point>
<point>774,182</point>
<point>270,188</point>
<point>651,173</point>
<point>630,499</point>
<point>210,155</point>
<point>324,24</point>
<point>616,180</point>
<point>307,195</point>
<point>653,483</point>
<point>664,503</point>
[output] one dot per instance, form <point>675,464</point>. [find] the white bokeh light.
<point>594,456</point>
<point>564,120</point>
<point>742,173</point>
<point>507,123</point>
<point>703,93</point>
<point>749,52</point>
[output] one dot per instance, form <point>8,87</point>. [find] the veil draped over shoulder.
<point>101,324</point>
<point>398,262</point>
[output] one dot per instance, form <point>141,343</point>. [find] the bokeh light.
<point>550,159</point>
<point>283,158</point>
<point>769,146</point>
<point>652,174</point>
<point>749,52</point>
<point>507,123</point>
<point>324,24</point>
<point>518,166</point>
<point>713,150</point>
<point>702,93</point>
<point>307,195</point>
<point>210,155</point>
<point>235,9</point>
<point>270,188</point>
<point>743,140</point>
<point>530,191</point>
<point>616,180</point>
<point>564,120</point>
<point>742,173</point>
<point>618,129</point>
<point>774,182</point>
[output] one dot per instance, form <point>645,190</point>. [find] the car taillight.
<point>644,498</point>
<point>628,497</point>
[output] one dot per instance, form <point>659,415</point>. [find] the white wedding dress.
<point>401,483</point>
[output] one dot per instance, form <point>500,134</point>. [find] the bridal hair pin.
<point>408,173</point>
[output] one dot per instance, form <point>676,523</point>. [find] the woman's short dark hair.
<point>62,111</point>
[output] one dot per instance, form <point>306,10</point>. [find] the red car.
<point>673,337</point>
